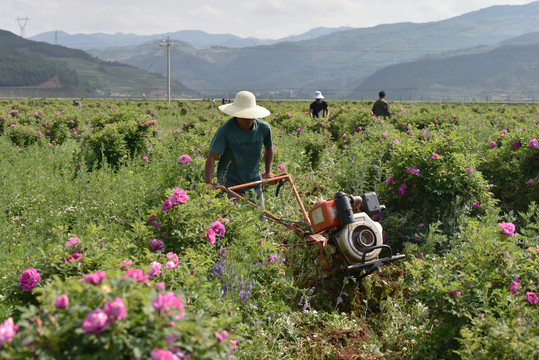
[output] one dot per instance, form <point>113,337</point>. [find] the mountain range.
<point>340,62</point>
<point>195,38</point>
<point>30,68</point>
<point>486,53</point>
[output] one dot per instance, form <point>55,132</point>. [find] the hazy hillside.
<point>505,73</point>
<point>195,38</point>
<point>27,63</point>
<point>19,69</point>
<point>335,63</point>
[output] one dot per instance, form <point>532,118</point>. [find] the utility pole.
<point>22,25</point>
<point>168,44</point>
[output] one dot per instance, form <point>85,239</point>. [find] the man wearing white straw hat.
<point>238,143</point>
<point>318,107</point>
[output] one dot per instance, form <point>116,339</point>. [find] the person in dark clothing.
<point>318,107</point>
<point>381,106</point>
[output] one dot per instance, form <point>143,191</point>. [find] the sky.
<point>262,19</point>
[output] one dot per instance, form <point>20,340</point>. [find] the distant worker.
<point>237,145</point>
<point>76,103</point>
<point>381,106</point>
<point>318,107</point>
<point>212,102</point>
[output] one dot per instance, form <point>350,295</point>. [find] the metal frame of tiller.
<point>313,239</point>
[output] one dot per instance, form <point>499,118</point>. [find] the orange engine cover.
<point>323,216</point>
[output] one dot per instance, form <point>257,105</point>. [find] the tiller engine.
<point>345,235</point>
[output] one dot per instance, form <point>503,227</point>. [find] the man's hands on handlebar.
<point>269,178</point>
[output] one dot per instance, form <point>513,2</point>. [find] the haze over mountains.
<point>195,38</point>
<point>489,53</point>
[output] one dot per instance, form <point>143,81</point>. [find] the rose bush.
<point>107,253</point>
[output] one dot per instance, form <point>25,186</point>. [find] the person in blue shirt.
<point>238,143</point>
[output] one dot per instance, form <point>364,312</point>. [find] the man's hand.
<point>269,178</point>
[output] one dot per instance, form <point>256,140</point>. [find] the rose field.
<point>112,246</point>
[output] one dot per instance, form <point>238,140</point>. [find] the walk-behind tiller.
<point>345,236</point>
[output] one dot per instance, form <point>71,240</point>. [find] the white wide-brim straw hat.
<point>245,107</point>
<point>318,95</point>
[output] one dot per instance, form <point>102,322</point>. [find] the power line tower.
<point>168,43</point>
<point>22,25</point>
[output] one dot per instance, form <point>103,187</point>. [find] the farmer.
<point>318,107</point>
<point>381,106</point>
<point>237,145</point>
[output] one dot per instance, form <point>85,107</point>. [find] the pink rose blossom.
<point>531,297</point>
<point>435,156</point>
<point>233,342</point>
<point>516,145</point>
<point>72,241</point>
<point>174,257</point>
<point>145,159</point>
<point>126,264</point>
<point>534,143</point>
<point>402,189</point>
<point>508,228</point>
<point>136,274</point>
<point>95,278</point>
<point>167,205</point>
<point>389,181</point>
<point>513,286</point>
<point>156,244</point>
<point>61,302</point>
<point>221,335</point>
<point>281,168</point>
<point>29,279</point>
<point>115,309</point>
<point>160,354</point>
<point>155,270</point>
<point>493,144</point>
<point>7,331</point>
<point>210,236</point>
<point>165,302</point>
<point>160,286</point>
<point>95,322</point>
<point>184,159</point>
<point>477,205</point>
<point>218,228</point>
<point>413,170</point>
<point>74,257</point>
<point>179,196</point>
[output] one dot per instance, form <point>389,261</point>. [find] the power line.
<point>168,43</point>
<point>22,25</point>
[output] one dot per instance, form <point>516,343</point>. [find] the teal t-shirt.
<point>239,151</point>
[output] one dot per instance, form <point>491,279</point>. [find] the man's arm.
<point>210,166</point>
<point>268,161</point>
<point>327,112</point>
<point>386,108</point>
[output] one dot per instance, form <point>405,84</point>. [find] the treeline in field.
<point>17,69</point>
